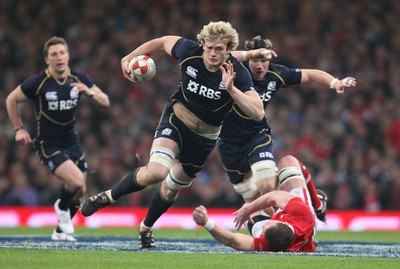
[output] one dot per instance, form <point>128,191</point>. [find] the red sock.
<point>310,186</point>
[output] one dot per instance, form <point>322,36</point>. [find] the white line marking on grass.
<point>342,249</point>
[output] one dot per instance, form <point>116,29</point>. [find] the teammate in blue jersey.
<point>211,81</point>
<point>55,94</point>
<point>245,144</point>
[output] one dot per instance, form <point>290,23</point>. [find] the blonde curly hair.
<point>221,30</point>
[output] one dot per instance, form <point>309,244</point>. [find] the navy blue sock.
<point>65,198</point>
<point>126,186</point>
<point>73,207</point>
<point>158,207</point>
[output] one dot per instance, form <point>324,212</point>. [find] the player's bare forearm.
<point>277,198</point>
<point>164,43</point>
<point>237,241</point>
<point>250,103</point>
<point>228,238</point>
<point>274,198</point>
<point>100,97</point>
<point>262,53</point>
<point>15,97</point>
<point>13,113</point>
<point>325,79</point>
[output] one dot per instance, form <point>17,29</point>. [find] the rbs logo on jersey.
<point>54,104</point>
<point>266,96</point>
<point>203,90</point>
<point>62,105</point>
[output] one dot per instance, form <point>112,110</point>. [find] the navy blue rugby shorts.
<point>194,149</point>
<point>238,158</point>
<point>54,154</point>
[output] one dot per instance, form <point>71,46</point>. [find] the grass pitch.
<point>54,257</point>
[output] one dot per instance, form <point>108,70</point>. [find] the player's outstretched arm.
<point>237,241</point>
<point>274,198</point>
<point>165,43</point>
<point>243,55</point>
<point>325,79</point>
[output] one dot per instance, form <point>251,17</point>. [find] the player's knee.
<point>153,175</point>
<point>287,160</point>
<point>75,183</point>
<point>161,160</point>
<point>79,187</point>
<point>167,193</point>
<point>267,184</point>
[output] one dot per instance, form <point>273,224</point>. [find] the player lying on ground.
<point>291,228</point>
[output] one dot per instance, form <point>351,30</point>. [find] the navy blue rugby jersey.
<point>202,91</point>
<point>55,104</point>
<point>238,127</point>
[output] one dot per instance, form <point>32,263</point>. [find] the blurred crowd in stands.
<point>350,143</point>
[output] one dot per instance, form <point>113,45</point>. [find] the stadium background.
<point>350,143</point>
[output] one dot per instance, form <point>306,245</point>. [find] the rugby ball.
<point>142,68</point>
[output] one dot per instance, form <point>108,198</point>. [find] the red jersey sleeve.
<point>261,244</point>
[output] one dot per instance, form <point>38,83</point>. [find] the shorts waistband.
<point>209,136</point>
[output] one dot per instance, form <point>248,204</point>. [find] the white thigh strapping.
<point>261,170</point>
<point>162,155</point>
<point>288,173</point>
